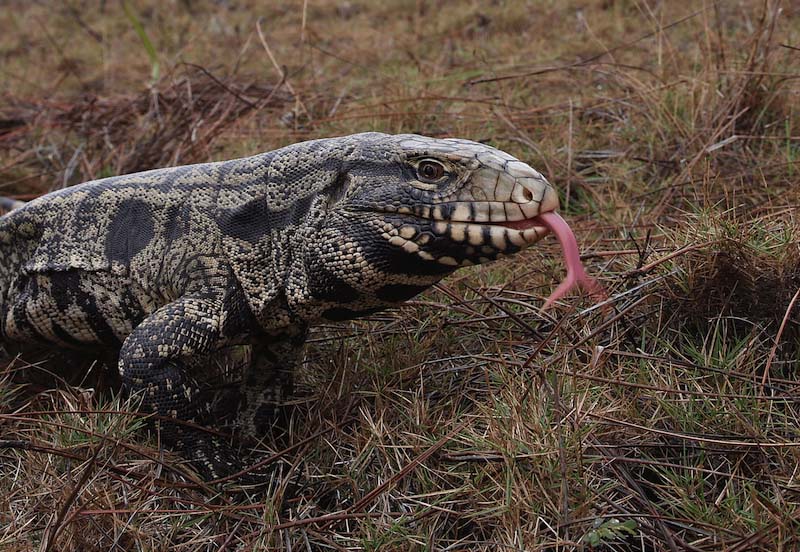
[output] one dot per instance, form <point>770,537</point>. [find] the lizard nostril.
<point>527,195</point>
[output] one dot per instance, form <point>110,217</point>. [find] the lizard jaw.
<point>532,229</point>
<point>493,237</point>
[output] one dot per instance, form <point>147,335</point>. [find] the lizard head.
<point>452,202</point>
<point>407,210</point>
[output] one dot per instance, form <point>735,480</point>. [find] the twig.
<point>774,349</point>
<point>280,70</point>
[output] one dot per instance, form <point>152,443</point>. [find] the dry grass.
<point>173,123</point>
<point>470,420</point>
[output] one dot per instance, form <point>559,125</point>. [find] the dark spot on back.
<point>254,219</point>
<point>130,230</point>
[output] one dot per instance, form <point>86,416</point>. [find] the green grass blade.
<point>146,42</point>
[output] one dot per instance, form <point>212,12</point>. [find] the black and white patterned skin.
<point>170,265</point>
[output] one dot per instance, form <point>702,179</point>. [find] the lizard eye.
<point>430,171</point>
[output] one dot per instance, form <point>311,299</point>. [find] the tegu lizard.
<point>170,265</point>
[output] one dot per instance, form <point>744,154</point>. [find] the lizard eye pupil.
<point>430,171</point>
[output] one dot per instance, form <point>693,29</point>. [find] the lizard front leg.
<point>267,383</point>
<point>152,365</point>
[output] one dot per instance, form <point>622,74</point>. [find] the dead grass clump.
<point>747,271</point>
<point>176,121</point>
<point>733,280</point>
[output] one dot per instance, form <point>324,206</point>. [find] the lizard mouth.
<point>535,227</point>
<point>501,236</point>
<point>462,242</point>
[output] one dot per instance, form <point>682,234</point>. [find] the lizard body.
<point>174,264</point>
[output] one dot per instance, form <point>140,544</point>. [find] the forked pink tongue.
<point>576,275</point>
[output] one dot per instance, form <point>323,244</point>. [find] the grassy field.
<point>470,420</point>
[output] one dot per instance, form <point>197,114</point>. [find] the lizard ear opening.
<point>336,191</point>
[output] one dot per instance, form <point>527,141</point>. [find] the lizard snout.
<point>531,191</point>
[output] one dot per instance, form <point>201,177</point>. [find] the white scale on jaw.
<point>471,233</point>
<point>520,232</point>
